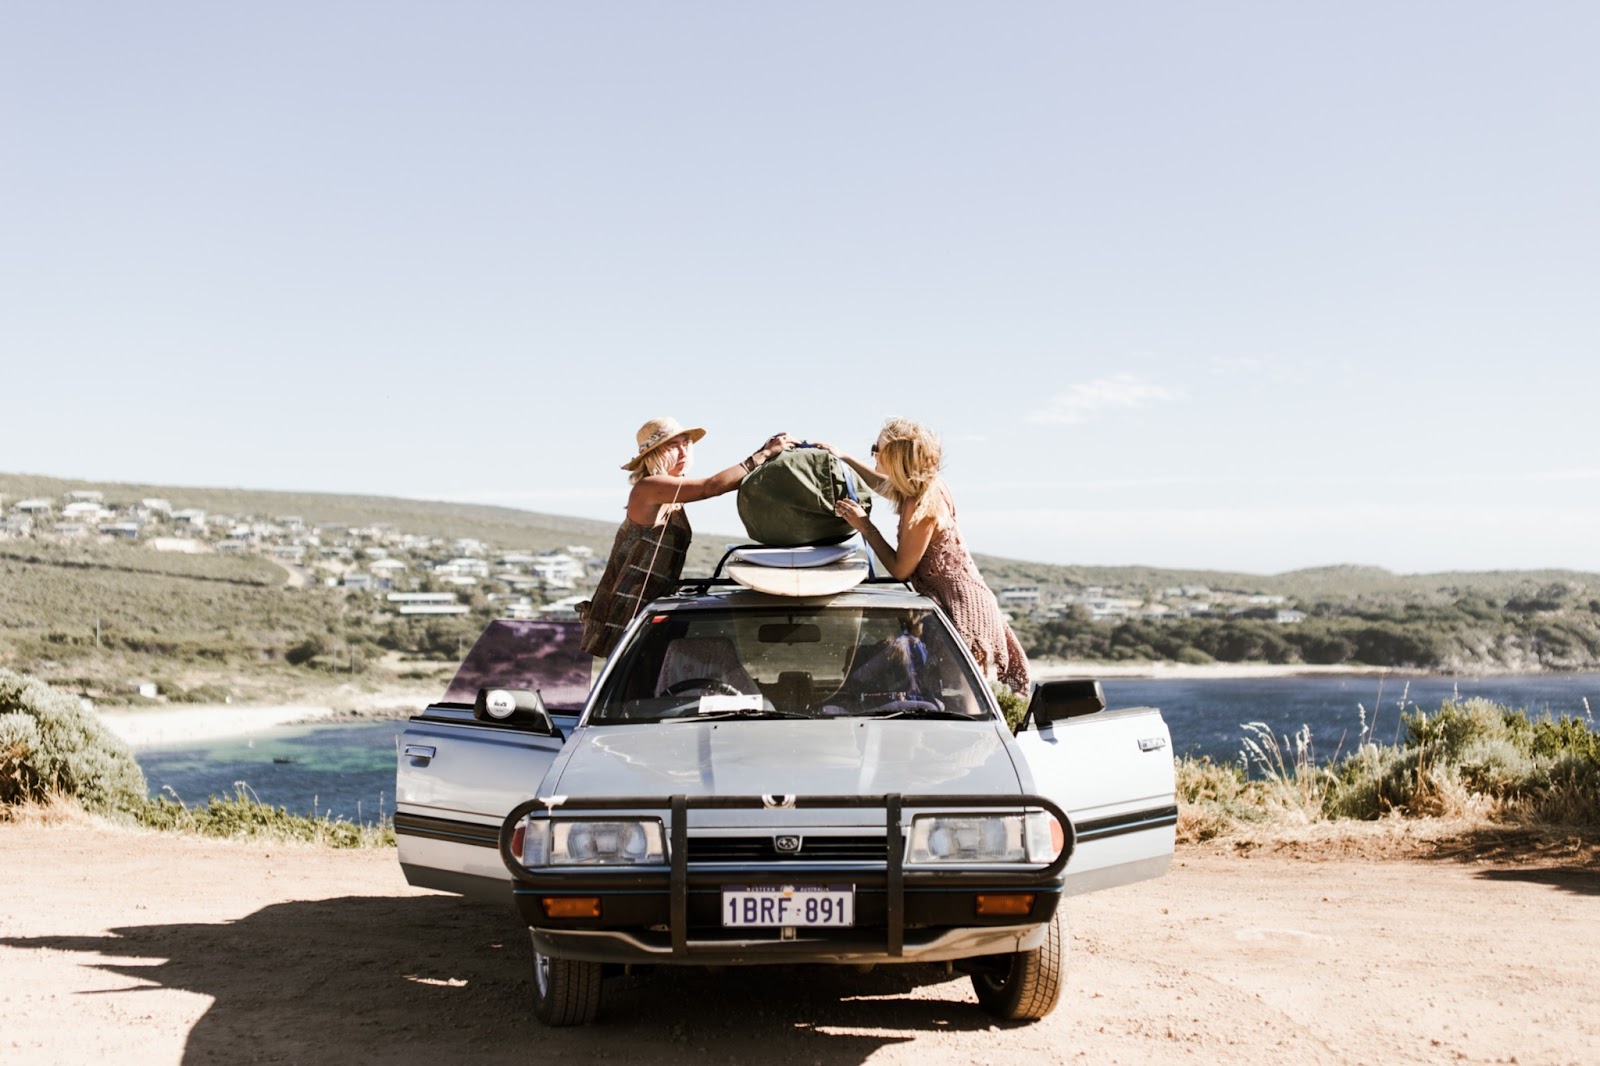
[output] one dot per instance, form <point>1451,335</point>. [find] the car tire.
<point>565,991</point>
<point>1026,985</point>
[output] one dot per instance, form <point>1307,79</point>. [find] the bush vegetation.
<point>1471,759</point>
<point>1553,626</point>
<point>52,748</point>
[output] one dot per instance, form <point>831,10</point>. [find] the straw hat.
<point>656,432</point>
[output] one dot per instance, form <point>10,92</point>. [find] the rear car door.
<point>459,771</point>
<point>1112,771</point>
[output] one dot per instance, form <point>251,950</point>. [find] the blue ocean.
<point>348,771</point>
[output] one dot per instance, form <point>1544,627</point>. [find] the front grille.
<point>764,849</point>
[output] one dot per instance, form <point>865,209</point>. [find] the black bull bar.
<point>894,878</point>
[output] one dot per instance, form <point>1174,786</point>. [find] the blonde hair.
<point>910,456</point>
<point>653,462</point>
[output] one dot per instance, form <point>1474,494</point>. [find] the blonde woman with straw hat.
<point>647,555</point>
<point>930,553</point>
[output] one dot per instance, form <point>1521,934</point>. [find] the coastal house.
<point>426,603</point>
<point>91,511</point>
<point>463,566</point>
<point>176,544</point>
<point>557,570</point>
<point>562,610</point>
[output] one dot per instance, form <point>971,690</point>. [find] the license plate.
<point>768,905</point>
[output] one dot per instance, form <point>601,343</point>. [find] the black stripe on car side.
<point>1121,824</point>
<point>417,825</point>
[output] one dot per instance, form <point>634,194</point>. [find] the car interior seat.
<point>711,658</point>
<point>792,691</point>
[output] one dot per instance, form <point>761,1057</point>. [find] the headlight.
<point>619,842</point>
<point>937,838</point>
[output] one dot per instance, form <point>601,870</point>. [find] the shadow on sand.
<point>436,979</point>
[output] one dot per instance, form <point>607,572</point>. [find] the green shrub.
<point>243,816</point>
<point>50,745</point>
<point>1470,759</point>
<point>1013,706</point>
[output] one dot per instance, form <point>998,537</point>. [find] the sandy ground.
<point>129,947</point>
<point>152,727</point>
<point>147,727</point>
<point>1049,669</point>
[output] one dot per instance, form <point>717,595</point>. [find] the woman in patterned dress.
<point>930,552</point>
<point>648,552</point>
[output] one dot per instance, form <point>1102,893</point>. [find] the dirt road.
<point>128,947</point>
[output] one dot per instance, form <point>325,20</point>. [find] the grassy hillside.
<point>94,616</point>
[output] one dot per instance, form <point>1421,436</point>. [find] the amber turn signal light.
<point>1010,904</point>
<point>572,906</point>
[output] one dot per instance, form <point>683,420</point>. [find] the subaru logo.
<point>787,845</point>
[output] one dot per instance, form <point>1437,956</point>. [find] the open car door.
<point>1112,771</point>
<point>466,760</point>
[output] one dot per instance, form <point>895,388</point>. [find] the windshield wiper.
<point>742,712</point>
<point>917,712</point>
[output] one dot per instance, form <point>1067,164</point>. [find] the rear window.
<point>523,654</point>
<point>827,661</point>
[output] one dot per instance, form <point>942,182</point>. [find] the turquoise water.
<point>348,770</point>
<point>343,770</point>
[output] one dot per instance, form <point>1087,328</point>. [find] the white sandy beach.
<point>1050,670</point>
<point>150,727</point>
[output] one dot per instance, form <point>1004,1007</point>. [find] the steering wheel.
<point>909,702</point>
<point>701,685</point>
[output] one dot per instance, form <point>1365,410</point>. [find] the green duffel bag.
<point>788,500</point>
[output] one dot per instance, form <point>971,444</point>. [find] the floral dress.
<point>947,575</point>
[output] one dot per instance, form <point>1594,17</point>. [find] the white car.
<point>759,779</point>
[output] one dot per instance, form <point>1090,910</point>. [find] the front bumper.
<point>667,915</point>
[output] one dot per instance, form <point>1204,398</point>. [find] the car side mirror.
<point>515,707</point>
<point>1055,701</point>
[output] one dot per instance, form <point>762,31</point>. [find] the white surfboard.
<point>813,571</point>
<point>789,558</point>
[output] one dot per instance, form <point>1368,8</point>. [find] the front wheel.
<point>565,991</point>
<point>1026,985</point>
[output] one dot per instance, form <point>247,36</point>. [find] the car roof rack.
<point>702,585</point>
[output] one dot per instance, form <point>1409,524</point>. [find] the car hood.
<point>847,756</point>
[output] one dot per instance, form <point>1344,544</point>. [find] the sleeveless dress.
<point>947,575</point>
<point>645,562</point>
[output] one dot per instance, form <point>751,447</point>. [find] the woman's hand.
<point>776,444</point>
<point>854,513</point>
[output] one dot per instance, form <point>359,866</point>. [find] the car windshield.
<point>789,662</point>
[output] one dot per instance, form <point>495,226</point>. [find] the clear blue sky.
<point>1251,286</point>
